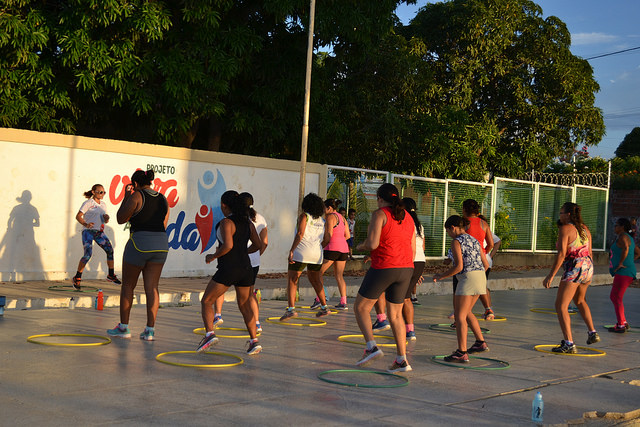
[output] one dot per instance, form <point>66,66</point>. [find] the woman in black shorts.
<point>234,267</point>
<point>391,240</point>
<point>147,211</point>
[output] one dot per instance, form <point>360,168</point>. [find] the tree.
<point>630,145</point>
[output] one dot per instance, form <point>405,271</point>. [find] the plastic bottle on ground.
<point>100,300</point>
<point>537,408</point>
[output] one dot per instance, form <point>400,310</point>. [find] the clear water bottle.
<point>72,304</point>
<point>537,408</point>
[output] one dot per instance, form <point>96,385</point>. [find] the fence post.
<point>534,231</point>
<point>446,207</point>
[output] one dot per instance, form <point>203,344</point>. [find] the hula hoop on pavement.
<point>631,328</point>
<point>505,365</point>
<point>549,311</point>
<point>59,288</point>
<point>495,319</point>
<point>446,327</point>
<point>404,380</point>
<point>201,331</point>
<point>596,352</point>
<point>276,320</point>
<point>33,339</point>
<point>239,359</point>
<point>347,338</point>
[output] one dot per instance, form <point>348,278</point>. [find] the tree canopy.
<point>630,145</point>
<point>469,87</point>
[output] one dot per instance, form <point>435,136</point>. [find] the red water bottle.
<point>100,300</point>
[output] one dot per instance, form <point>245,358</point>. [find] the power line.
<point>613,53</point>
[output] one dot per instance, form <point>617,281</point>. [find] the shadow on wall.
<point>20,257</point>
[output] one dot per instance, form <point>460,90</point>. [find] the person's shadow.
<point>20,257</point>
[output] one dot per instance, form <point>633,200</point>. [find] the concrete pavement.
<point>122,384</point>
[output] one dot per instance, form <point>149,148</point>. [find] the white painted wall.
<point>42,190</point>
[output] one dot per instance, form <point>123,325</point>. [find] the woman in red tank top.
<point>392,242</point>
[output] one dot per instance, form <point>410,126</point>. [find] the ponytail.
<point>411,206</point>
<point>89,194</point>
<point>252,211</point>
<point>389,193</point>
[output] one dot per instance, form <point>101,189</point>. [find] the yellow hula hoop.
<point>239,359</point>
<point>32,339</point>
<point>495,319</point>
<point>548,311</point>
<point>201,331</point>
<point>596,352</point>
<point>276,320</point>
<point>346,338</point>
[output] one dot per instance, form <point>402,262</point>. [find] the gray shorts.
<point>146,246</point>
<point>472,283</point>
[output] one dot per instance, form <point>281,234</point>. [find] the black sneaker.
<point>369,355</point>
<point>618,329</point>
<point>565,348</point>
<point>399,367</point>
<point>478,347</point>
<point>457,357</point>
<point>593,338</point>
<point>415,301</point>
<point>76,283</point>
<point>207,342</point>
<point>322,312</point>
<point>316,304</point>
<point>114,279</point>
<point>254,348</point>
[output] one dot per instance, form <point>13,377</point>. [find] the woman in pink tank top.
<point>336,249</point>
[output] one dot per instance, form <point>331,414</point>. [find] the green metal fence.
<point>523,214</point>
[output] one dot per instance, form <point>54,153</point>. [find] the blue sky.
<point>598,27</point>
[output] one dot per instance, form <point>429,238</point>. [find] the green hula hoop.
<point>276,320</point>
<point>346,338</point>
<point>548,311</point>
<point>596,352</point>
<point>239,359</point>
<point>106,340</point>
<point>505,365</point>
<point>58,288</point>
<point>495,319</point>
<point>404,381</point>
<point>201,331</point>
<point>446,327</point>
<point>631,328</point>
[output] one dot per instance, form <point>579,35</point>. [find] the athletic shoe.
<point>618,329</point>
<point>478,347</point>
<point>316,304</point>
<point>381,326</point>
<point>399,367</point>
<point>254,348</point>
<point>457,357</point>
<point>217,321</point>
<point>488,314</point>
<point>453,325</point>
<point>369,355</point>
<point>411,336</point>
<point>415,301</point>
<point>323,312</point>
<point>207,342</point>
<point>565,348</point>
<point>288,314</point>
<point>120,333</point>
<point>147,335</point>
<point>114,279</point>
<point>452,316</point>
<point>258,327</point>
<point>593,338</point>
<point>76,283</point>
<point>572,309</point>
<point>626,325</point>
<point>341,306</point>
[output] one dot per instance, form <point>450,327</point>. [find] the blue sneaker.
<point>147,335</point>
<point>120,333</point>
<point>381,326</point>
<point>217,321</point>
<point>316,304</point>
<point>411,336</point>
<point>207,342</point>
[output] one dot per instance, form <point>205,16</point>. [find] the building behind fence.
<point>523,213</point>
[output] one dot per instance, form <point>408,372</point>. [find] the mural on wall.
<point>187,236</point>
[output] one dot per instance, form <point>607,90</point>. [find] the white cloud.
<point>592,38</point>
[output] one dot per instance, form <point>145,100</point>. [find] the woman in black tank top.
<point>146,251</point>
<point>234,267</point>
